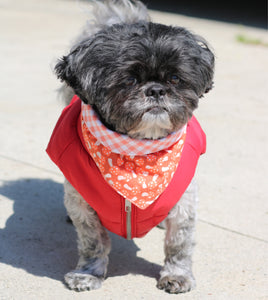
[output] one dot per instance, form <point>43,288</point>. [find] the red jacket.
<point>67,151</point>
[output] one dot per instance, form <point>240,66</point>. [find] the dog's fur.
<point>143,79</point>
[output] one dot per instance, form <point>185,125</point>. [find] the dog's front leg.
<point>93,243</point>
<point>176,275</point>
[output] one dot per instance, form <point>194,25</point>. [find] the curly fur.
<point>113,70</point>
<point>143,79</point>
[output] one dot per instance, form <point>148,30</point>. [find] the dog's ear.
<point>207,64</point>
<point>64,71</point>
<point>62,68</point>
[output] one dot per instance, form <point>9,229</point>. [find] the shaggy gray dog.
<point>120,65</point>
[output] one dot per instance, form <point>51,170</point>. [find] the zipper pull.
<point>128,218</point>
<point>127,206</point>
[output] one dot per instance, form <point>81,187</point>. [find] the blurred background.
<point>252,13</point>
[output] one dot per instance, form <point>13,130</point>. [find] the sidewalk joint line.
<point>29,164</point>
<point>233,231</point>
<point>202,221</point>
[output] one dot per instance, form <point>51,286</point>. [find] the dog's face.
<point>143,79</point>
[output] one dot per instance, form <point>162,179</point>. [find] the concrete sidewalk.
<point>37,246</point>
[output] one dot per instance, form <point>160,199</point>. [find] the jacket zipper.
<point>128,218</point>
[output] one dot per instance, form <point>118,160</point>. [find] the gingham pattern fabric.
<point>123,144</point>
<point>139,178</point>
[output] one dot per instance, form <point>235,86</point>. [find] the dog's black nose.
<point>156,91</point>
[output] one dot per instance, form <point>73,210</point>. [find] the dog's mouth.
<point>155,110</point>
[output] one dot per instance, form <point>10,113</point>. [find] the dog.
<point>139,81</point>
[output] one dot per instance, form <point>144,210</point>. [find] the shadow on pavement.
<point>38,239</point>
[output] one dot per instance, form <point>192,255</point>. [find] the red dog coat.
<point>67,150</point>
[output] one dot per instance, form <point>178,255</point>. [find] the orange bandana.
<point>139,178</point>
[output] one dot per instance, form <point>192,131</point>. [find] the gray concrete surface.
<point>37,246</point>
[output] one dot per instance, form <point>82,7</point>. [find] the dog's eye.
<point>174,79</point>
<point>131,81</point>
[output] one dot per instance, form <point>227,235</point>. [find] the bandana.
<point>139,170</point>
<point>123,144</point>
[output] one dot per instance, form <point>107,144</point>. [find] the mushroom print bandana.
<point>139,170</point>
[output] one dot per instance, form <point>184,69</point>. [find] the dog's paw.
<point>79,281</point>
<point>176,284</point>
